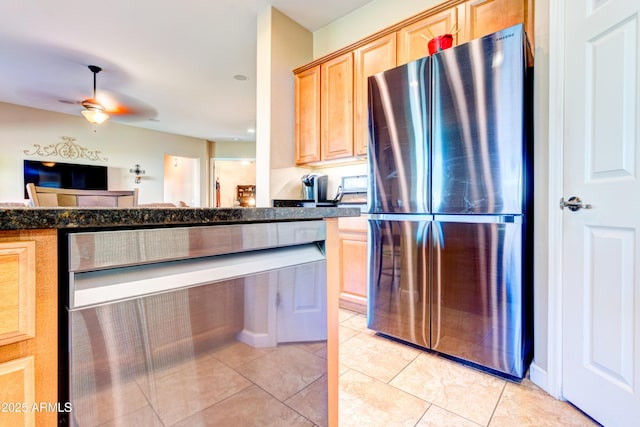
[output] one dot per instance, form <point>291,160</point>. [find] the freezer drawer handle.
<point>574,203</point>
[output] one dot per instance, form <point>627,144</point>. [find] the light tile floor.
<point>233,385</point>
<point>382,383</point>
<point>385,383</point>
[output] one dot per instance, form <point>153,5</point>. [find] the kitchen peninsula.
<point>239,273</point>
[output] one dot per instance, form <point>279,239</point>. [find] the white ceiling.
<point>172,63</point>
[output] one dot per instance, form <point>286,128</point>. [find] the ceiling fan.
<point>117,105</point>
<point>93,111</point>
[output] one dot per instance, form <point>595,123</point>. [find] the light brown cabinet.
<point>331,113</point>
<point>352,238</point>
<point>307,116</point>
<point>411,43</point>
<point>336,100</point>
<point>481,17</point>
<point>371,58</point>
<point>28,328</point>
<point>324,111</point>
<point>17,291</point>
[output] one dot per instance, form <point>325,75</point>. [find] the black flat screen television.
<point>64,175</point>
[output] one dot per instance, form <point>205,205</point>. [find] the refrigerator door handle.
<point>477,219</point>
<point>436,287</point>
<point>400,217</point>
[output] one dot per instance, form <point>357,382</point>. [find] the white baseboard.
<point>538,376</point>
<point>256,340</point>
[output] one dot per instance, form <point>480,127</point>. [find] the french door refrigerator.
<point>449,203</point>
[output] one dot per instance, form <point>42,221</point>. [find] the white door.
<point>601,253</point>
<point>302,303</point>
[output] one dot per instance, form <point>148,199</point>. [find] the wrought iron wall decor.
<point>137,171</point>
<point>67,149</point>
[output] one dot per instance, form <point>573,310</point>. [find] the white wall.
<point>180,174</point>
<point>123,147</point>
<point>234,150</point>
<point>363,22</point>
<point>282,46</point>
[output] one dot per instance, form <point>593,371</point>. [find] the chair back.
<point>54,197</point>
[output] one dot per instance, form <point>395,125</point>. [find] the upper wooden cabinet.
<point>331,115</point>
<point>336,102</point>
<point>307,116</point>
<point>481,17</point>
<point>371,58</point>
<point>411,43</point>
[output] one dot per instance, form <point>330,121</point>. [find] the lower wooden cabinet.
<point>17,392</point>
<point>352,237</point>
<point>28,328</point>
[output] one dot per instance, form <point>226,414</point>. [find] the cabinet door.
<point>374,57</point>
<point>353,263</point>
<point>307,116</point>
<point>29,327</point>
<point>337,107</point>
<point>17,392</point>
<point>411,43</point>
<point>482,17</point>
<point>17,291</point>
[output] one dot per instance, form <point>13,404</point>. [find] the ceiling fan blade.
<point>124,106</point>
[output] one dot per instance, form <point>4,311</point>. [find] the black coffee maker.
<point>314,187</point>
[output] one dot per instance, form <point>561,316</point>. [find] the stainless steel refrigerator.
<point>450,202</point>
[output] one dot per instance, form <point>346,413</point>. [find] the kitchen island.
<point>37,260</point>
<point>18,218</point>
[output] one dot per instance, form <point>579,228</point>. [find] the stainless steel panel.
<point>479,311</point>
<point>399,217</point>
<point>399,299</point>
<point>517,219</point>
<point>107,249</point>
<point>170,356</point>
<point>103,286</point>
<point>479,125</point>
<point>399,108</point>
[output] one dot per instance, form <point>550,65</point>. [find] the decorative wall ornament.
<point>137,171</point>
<point>67,149</point>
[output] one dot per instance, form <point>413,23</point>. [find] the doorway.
<point>181,181</point>
<point>233,182</point>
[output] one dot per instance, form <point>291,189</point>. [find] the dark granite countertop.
<point>60,218</point>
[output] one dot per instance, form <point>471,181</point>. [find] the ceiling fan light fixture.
<point>95,115</point>
<point>93,111</point>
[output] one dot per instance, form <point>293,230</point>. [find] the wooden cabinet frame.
<point>317,89</point>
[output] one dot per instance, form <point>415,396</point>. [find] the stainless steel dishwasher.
<point>188,324</point>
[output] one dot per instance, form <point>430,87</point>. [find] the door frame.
<point>550,379</point>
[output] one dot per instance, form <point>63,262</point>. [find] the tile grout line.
<point>504,386</point>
